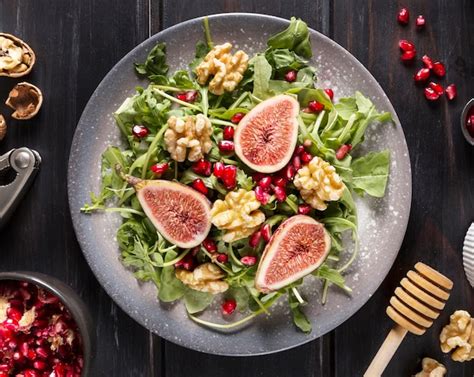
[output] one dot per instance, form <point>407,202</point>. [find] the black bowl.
<point>72,301</point>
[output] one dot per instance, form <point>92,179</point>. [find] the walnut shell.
<point>26,99</point>
<point>17,61</point>
<point>3,127</point>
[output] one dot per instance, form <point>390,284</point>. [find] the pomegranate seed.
<point>266,232</point>
<point>24,348</point>
<point>31,354</point>
<point>279,181</point>
<point>248,260</point>
<point>451,92</point>
<point>11,324</point>
<point>17,356</point>
<point>420,22</point>
<point>40,365</point>
<point>289,172</point>
<point>257,177</point>
<point>42,352</point>
<point>439,69</point>
<point>427,61</point>
<point>343,151</point>
<point>189,96</point>
<point>30,373</point>
<point>202,167</point>
<point>187,263</point>
<point>306,157</point>
<point>431,94</point>
<point>226,146</point>
<point>315,106</point>
<point>237,117</point>
<point>280,193</point>
<point>159,169</point>
<point>199,185</point>
<point>408,56</point>
<point>304,209</point>
<point>406,45</point>
<point>261,195</point>
<point>298,150</point>
<point>5,334</point>
<point>3,374</point>
<point>265,183</point>
<point>218,170</point>
<point>296,162</point>
<point>195,250</point>
<point>5,367</point>
<point>222,258</point>
<point>422,75</point>
<point>228,132</point>
<point>229,177</point>
<point>330,93</point>
<point>140,131</point>
<point>403,16</point>
<point>181,96</point>
<point>290,76</point>
<point>14,313</point>
<point>255,238</point>
<point>437,88</point>
<point>209,245</point>
<point>470,125</point>
<point>228,307</point>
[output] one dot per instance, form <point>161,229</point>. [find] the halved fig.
<point>266,137</point>
<point>26,99</point>
<point>298,247</point>
<point>16,57</point>
<point>181,214</point>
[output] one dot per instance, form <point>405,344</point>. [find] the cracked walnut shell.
<point>206,277</point>
<point>3,127</point>
<point>458,335</point>
<point>26,99</point>
<point>318,183</point>
<point>238,214</point>
<point>16,57</point>
<point>431,368</point>
<point>227,69</point>
<point>189,136</point>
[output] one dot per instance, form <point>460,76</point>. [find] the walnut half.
<point>26,99</point>
<point>16,57</point>
<point>431,368</point>
<point>458,335</point>
<point>206,277</point>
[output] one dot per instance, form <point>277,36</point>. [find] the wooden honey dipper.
<point>414,307</point>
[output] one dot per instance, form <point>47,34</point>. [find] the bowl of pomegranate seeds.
<point>467,121</point>
<point>45,328</point>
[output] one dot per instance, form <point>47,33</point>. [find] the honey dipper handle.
<point>386,352</point>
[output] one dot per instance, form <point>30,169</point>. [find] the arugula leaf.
<point>333,276</point>
<point>261,77</point>
<point>155,63</point>
<point>295,38</point>
<point>299,318</point>
<point>240,295</point>
<point>201,51</point>
<point>370,173</point>
<point>171,288</point>
<point>197,301</point>
<point>181,80</point>
<point>283,59</point>
<point>244,181</point>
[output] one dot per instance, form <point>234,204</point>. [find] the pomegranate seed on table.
<point>451,92</point>
<point>290,76</point>
<point>202,167</point>
<point>422,75</point>
<point>222,258</point>
<point>304,209</point>
<point>209,245</point>
<point>439,69</point>
<point>427,61</point>
<point>159,168</point>
<point>437,88</point>
<point>199,185</point>
<point>228,307</point>
<point>255,238</point>
<point>296,162</point>
<point>266,231</point>
<point>315,106</point>
<point>406,45</point>
<point>229,176</point>
<point>261,195</point>
<point>237,117</point>
<point>218,169</point>
<point>140,131</point>
<point>248,260</point>
<point>403,16</point>
<point>279,181</point>
<point>431,94</point>
<point>330,93</point>
<point>280,193</point>
<point>265,182</point>
<point>420,22</point>
<point>343,151</point>
<point>306,157</point>
<point>226,146</point>
<point>408,56</point>
<point>228,132</point>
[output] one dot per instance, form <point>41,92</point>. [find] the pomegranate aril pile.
<point>47,343</point>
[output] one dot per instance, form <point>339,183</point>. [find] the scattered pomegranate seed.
<point>304,209</point>
<point>222,258</point>
<point>420,22</point>
<point>422,75</point>
<point>255,238</point>
<point>279,181</point>
<point>427,61</point>
<point>306,157</point>
<point>408,56</point>
<point>159,169</point>
<point>330,93</point>
<point>406,45</point>
<point>248,260</point>
<point>202,167</point>
<point>187,263</point>
<point>315,106</point>
<point>226,146</point>
<point>403,16</point>
<point>280,193</point>
<point>218,169</point>
<point>296,162</point>
<point>343,151</point>
<point>266,231</point>
<point>290,76</point>
<point>140,131</point>
<point>237,117</point>
<point>209,245</point>
<point>431,94</point>
<point>439,69</point>
<point>228,133</point>
<point>437,88</point>
<point>265,182</point>
<point>451,92</point>
<point>228,307</point>
<point>199,185</point>
<point>189,96</point>
<point>229,177</point>
<point>289,172</point>
<point>261,195</point>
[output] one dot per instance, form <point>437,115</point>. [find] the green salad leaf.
<point>370,173</point>
<point>294,38</point>
<point>197,301</point>
<point>155,63</point>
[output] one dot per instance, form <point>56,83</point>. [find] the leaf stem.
<point>174,99</point>
<point>207,33</point>
<point>153,145</point>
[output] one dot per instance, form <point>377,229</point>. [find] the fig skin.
<point>264,281</point>
<point>266,117</point>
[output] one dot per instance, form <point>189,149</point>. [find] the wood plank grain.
<point>76,42</point>
<point>442,164</point>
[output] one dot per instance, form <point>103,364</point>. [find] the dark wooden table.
<point>78,41</point>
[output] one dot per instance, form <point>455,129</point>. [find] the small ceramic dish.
<point>468,254</point>
<point>464,114</point>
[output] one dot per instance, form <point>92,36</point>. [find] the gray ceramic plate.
<point>382,222</point>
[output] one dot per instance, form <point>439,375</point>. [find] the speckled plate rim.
<point>122,301</point>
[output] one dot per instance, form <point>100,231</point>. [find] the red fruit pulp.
<point>431,94</point>
<point>422,75</point>
<point>202,167</point>
<point>451,92</point>
<point>237,117</point>
<point>159,168</point>
<point>427,61</point>
<point>199,185</point>
<point>315,106</point>
<point>228,307</point>
<point>403,16</point>
<point>406,45</point>
<point>140,131</point>
<point>420,22</point>
<point>228,133</point>
<point>248,260</point>
<point>439,69</point>
<point>330,93</point>
<point>290,76</point>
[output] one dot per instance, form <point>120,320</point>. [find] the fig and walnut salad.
<point>237,178</point>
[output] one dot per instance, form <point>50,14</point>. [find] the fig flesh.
<point>181,214</point>
<point>266,137</point>
<point>298,247</point>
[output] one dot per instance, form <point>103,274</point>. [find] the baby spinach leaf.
<point>240,295</point>
<point>155,63</point>
<point>196,301</point>
<point>370,173</point>
<point>295,38</point>
<point>261,77</point>
<point>171,288</point>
